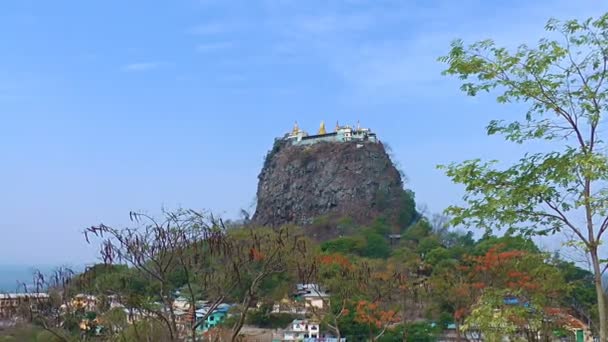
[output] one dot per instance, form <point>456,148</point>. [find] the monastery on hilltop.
<point>340,134</point>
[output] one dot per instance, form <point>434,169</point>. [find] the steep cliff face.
<point>340,179</point>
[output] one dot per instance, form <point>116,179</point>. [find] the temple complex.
<point>346,133</point>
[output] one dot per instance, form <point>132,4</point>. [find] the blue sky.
<point>110,106</point>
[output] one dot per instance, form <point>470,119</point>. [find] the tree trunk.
<point>403,317</point>
<point>601,295</point>
<point>239,325</point>
<point>337,331</point>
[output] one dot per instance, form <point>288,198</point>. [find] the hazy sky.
<point>111,106</point>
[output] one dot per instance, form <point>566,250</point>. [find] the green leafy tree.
<point>563,82</point>
<point>344,245</point>
<point>376,247</point>
<point>506,243</point>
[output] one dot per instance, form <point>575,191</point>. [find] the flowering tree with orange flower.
<point>351,281</point>
<point>453,292</point>
<point>563,186</point>
<point>336,274</point>
<point>501,291</point>
<point>511,291</point>
<point>376,317</point>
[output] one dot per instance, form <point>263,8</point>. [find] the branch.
<point>603,228</point>
<point>52,331</point>
<point>562,217</point>
<point>212,308</point>
<point>604,269</point>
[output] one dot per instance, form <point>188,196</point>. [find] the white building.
<point>340,134</point>
<point>300,330</point>
<point>313,295</point>
<point>10,302</point>
<point>181,303</point>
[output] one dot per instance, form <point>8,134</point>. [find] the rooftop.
<point>340,134</point>
<point>23,295</point>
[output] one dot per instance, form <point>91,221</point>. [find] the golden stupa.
<point>322,128</point>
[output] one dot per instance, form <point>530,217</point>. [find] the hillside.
<point>354,179</point>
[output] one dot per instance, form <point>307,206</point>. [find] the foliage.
<point>418,231</point>
<point>422,332</point>
<point>437,274</point>
<point>562,81</point>
<point>494,319</point>
<point>264,318</point>
<point>344,245</point>
<point>145,330</point>
<point>505,243</point>
<point>173,251</point>
<point>376,318</point>
<point>276,147</point>
<point>368,243</point>
<point>376,246</point>
<point>407,209</point>
<point>26,333</point>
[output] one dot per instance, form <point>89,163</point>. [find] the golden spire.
<point>322,128</point>
<point>296,129</point>
<point>337,126</point>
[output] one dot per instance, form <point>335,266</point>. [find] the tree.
<point>563,81</point>
<point>148,329</point>
<point>183,243</point>
<point>377,319</point>
<point>514,292</point>
<point>336,274</point>
<point>364,293</point>
<point>258,254</point>
<point>452,292</point>
<point>502,292</point>
<point>50,313</point>
<point>385,287</point>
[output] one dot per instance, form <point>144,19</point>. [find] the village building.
<point>301,329</point>
<point>11,302</point>
<point>313,296</point>
<point>214,318</point>
<point>181,303</point>
<point>340,134</point>
<point>84,302</point>
<point>289,305</point>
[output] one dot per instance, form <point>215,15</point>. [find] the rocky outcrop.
<point>354,179</point>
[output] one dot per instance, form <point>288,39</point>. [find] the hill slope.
<point>354,179</point>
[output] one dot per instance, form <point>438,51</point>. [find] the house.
<point>578,328</point>
<point>10,302</point>
<point>181,303</point>
<point>291,306</point>
<point>84,302</point>
<point>115,302</point>
<point>301,329</point>
<point>216,317</point>
<point>312,295</point>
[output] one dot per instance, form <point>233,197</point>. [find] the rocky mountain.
<point>354,179</point>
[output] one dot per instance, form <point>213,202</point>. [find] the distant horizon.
<point>13,275</point>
